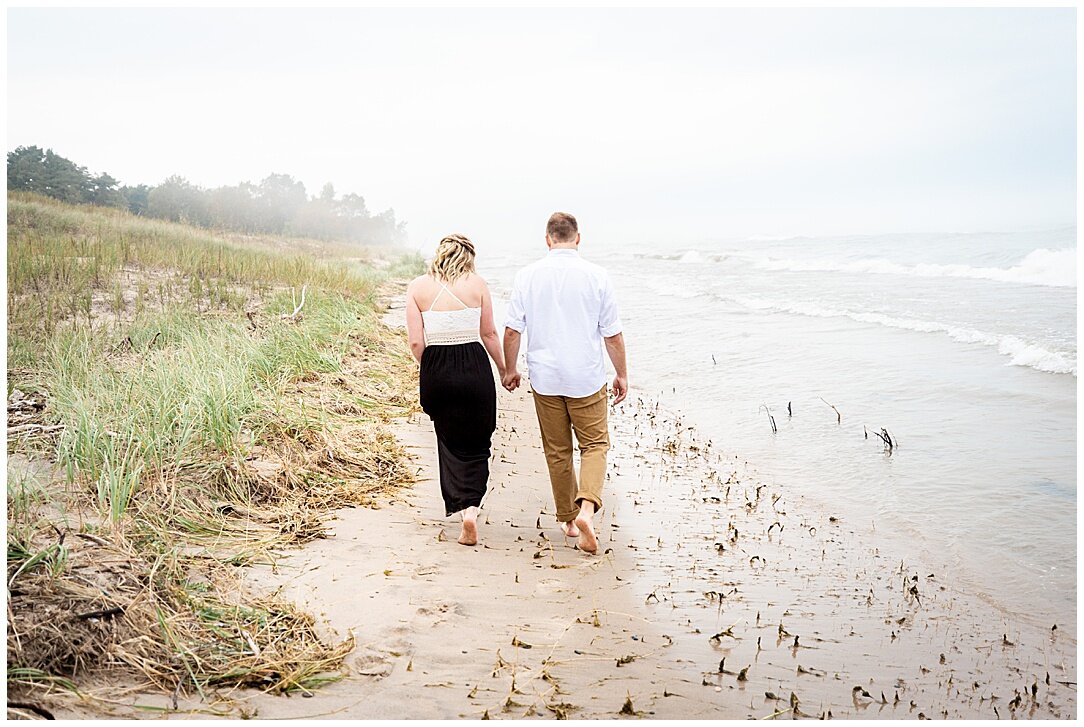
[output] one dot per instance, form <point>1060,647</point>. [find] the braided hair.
<point>454,258</point>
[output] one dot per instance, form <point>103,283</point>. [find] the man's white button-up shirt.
<point>565,306</point>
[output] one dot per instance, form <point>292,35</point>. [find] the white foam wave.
<point>656,256</point>
<point>1021,352</point>
<point>689,256</point>
<point>768,238</point>
<point>1056,268</point>
<point>675,291</point>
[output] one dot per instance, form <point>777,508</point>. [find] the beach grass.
<point>175,411</point>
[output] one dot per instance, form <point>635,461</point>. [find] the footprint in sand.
<point>425,571</point>
<point>374,664</point>
<point>552,585</point>
<point>440,611</point>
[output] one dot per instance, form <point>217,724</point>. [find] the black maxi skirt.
<point>459,395</point>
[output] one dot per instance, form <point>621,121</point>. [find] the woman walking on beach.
<point>449,320</point>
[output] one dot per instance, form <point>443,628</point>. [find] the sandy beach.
<point>521,625</point>
<point>713,596</point>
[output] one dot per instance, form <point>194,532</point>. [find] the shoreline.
<point>715,595</point>
<point>739,602</point>
<point>894,536</point>
<point>984,480</point>
<point>944,552</point>
<point>745,604</point>
<point>855,611</point>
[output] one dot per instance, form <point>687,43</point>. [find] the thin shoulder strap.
<point>437,297</point>
<point>444,289</point>
<point>448,290</point>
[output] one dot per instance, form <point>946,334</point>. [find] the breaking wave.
<point>1056,268</point>
<point>1019,351</point>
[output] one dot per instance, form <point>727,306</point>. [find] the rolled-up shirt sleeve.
<point>609,322</point>
<point>517,309</point>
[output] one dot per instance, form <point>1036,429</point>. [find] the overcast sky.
<point>676,126</point>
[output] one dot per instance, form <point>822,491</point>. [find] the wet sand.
<point>713,596</point>
<point>816,610</point>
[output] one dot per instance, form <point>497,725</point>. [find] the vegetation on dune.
<point>173,414</point>
<point>63,261</point>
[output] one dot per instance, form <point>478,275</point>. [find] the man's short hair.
<point>562,227</point>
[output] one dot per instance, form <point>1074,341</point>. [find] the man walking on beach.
<point>566,307</point>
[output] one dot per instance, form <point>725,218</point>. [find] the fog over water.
<point>666,127</point>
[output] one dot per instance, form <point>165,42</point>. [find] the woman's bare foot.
<point>469,534</point>
<point>570,530</point>
<point>588,543</point>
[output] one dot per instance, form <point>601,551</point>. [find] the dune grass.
<point>192,424</point>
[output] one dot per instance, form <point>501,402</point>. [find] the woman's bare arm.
<point>488,331</point>
<point>415,327</point>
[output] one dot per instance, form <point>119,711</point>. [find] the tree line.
<point>279,204</point>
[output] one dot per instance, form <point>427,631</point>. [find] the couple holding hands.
<point>566,308</point>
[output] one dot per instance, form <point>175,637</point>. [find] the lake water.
<point>963,347</point>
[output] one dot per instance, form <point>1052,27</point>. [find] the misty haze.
<point>308,312</point>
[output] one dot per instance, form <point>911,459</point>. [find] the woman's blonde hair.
<point>454,258</point>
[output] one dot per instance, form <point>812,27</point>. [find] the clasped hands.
<point>511,379</point>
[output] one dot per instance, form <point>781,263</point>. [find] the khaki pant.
<point>558,417</point>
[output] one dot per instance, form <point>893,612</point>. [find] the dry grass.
<point>187,429</point>
<point>178,622</point>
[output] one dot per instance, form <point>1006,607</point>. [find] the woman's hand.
<point>511,379</point>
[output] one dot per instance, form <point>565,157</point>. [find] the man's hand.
<point>620,388</point>
<point>511,379</point>
<point>615,347</point>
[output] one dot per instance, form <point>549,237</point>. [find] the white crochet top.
<point>451,327</point>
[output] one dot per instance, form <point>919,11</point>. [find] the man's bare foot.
<point>588,543</point>
<point>469,534</point>
<point>570,530</point>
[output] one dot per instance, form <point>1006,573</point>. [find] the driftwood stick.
<point>103,613</point>
<point>94,539</point>
<point>886,438</point>
<point>839,417</point>
<point>40,711</point>
<point>31,427</point>
<point>771,419</point>
<point>301,304</point>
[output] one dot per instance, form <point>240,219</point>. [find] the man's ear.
<point>577,239</point>
<point>549,243</point>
